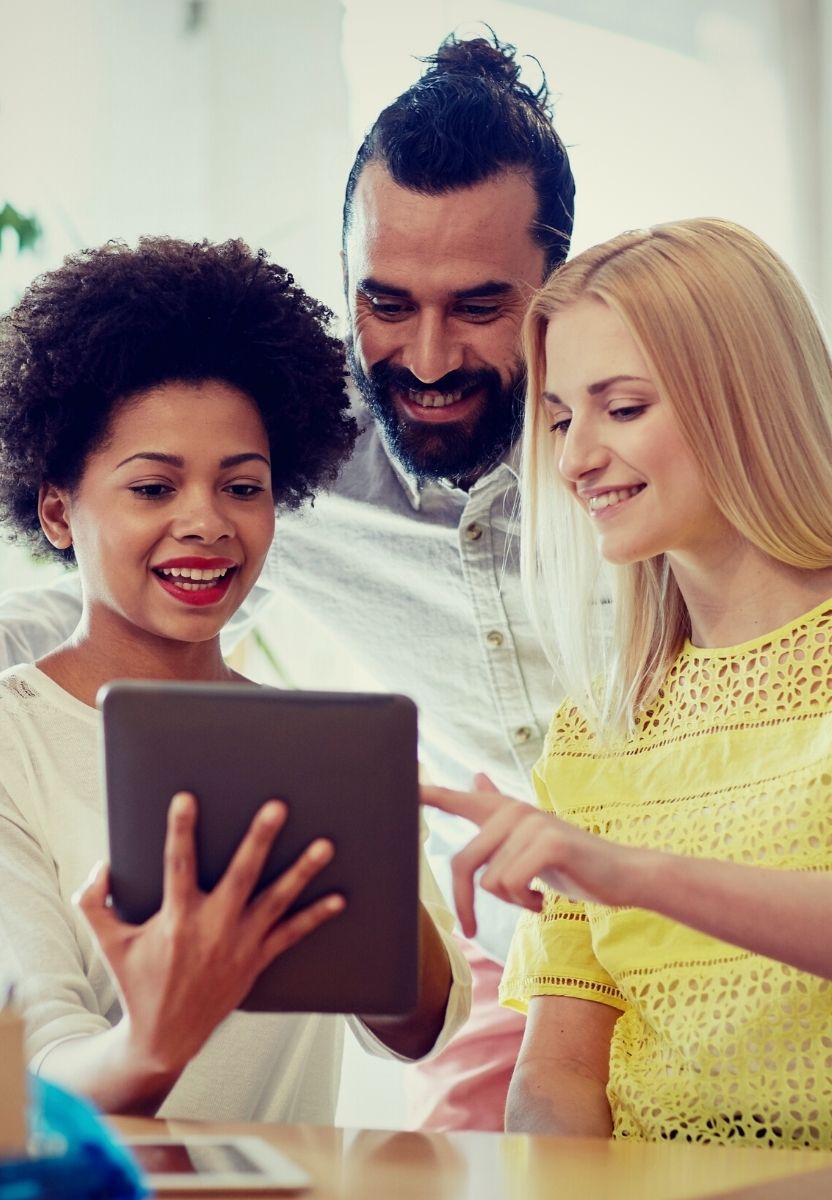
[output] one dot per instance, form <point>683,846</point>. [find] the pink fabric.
<point>465,1086</point>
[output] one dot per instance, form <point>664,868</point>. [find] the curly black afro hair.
<point>113,322</point>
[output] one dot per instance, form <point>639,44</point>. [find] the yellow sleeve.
<point>551,952</point>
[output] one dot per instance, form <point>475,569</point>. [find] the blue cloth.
<point>75,1156</point>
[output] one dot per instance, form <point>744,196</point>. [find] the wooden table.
<point>348,1164</point>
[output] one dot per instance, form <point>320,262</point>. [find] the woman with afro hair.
<point>156,405</point>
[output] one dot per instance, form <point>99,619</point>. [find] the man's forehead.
<point>481,233</point>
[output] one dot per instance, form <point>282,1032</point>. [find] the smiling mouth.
<point>195,586</point>
<point>431,407</point>
<point>428,399</point>
<point>193,578</point>
<point>612,498</point>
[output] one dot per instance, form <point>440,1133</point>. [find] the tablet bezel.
<point>275,1170</point>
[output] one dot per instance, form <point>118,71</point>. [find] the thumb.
<point>92,899</point>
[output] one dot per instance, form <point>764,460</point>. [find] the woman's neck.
<point>85,662</point>
<point>741,593</point>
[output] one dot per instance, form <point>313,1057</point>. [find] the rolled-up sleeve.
<point>459,997</point>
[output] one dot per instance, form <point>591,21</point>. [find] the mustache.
<point>385,375</point>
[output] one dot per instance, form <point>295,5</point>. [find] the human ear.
<point>54,516</point>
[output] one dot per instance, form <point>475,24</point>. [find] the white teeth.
<point>608,499</point>
<point>434,399</point>
<point>195,574</point>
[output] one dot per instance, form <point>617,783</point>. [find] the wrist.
<point>653,875</point>
<point>153,1068</point>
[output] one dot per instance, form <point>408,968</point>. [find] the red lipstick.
<point>197,593</point>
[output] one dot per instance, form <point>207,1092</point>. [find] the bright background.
<point>221,118</point>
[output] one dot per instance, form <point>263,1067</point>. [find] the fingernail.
<point>270,812</point>
<point>335,903</point>
<point>320,849</point>
<point>180,804</point>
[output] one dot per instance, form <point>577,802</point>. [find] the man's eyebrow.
<point>595,389</point>
<point>376,287</point>
<point>490,287</point>
<point>176,460</point>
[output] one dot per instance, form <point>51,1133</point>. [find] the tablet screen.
<point>183,1158</point>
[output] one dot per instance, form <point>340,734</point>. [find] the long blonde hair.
<point>733,344</point>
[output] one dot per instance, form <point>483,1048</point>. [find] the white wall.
<point>118,117</point>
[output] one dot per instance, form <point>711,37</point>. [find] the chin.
<point>625,556</point>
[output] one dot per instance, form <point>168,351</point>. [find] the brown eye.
<point>627,411</point>
<point>245,491</point>
<point>151,491</point>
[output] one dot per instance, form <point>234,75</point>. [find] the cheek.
<point>682,468</point>
<point>91,538</point>
<point>374,340</point>
<point>261,535</point>
<point>496,347</point>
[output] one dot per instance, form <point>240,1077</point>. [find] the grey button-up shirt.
<point>420,581</point>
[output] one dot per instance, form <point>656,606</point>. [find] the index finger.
<point>474,806</point>
<point>179,872</point>
<point>237,884</point>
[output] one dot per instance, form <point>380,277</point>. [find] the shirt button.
<point>473,532</point>
<point>523,734</point>
<point>494,638</point>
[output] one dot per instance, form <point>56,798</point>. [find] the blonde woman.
<point>678,451</point>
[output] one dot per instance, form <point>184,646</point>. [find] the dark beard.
<point>461,451</point>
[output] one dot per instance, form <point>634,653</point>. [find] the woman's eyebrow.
<point>603,384</point>
<point>176,460</point>
<point>234,460</point>
<point>172,460</point>
<point>595,389</point>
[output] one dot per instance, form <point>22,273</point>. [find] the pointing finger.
<point>482,783</point>
<point>474,806</point>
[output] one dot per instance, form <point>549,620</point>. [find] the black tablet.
<point>346,766</point>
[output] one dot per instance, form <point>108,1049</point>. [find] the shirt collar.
<point>414,488</point>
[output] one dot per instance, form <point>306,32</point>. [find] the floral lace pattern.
<point>736,1051</point>
<point>786,676</point>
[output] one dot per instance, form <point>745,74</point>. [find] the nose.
<point>583,452</point>
<point>432,350</point>
<point>201,517</point>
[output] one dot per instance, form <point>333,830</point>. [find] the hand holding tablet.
<point>210,945</point>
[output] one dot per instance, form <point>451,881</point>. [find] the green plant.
<point>27,228</point>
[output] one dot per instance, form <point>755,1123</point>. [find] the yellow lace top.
<point>732,761</point>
